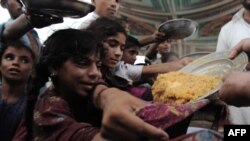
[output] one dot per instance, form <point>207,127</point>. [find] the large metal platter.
<point>178,28</point>
<point>216,64</point>
<point>196,55</point>
<point>58,8</point>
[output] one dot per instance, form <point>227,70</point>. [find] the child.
<point>16,64</point>
<point>117,73</point>
<point>131,50</point>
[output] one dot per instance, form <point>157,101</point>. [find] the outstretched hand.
<point>235,89</point>
<point>120,121</point>
<point>243,45</point>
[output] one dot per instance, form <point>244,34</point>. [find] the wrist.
<point>27,20</point>
<point>99,94</point>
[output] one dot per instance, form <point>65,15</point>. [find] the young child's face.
<point>16,64</point>
<point>129,55</point>
<point>164,47</point>
<point>106,8</point>
<point>79,75</point>
<point>113,50</point>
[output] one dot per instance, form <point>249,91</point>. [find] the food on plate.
<point>180,87</point>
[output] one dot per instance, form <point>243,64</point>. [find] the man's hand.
<point>235,89</point>
<point>159,36</point>
<point>40,20</point>
<point>243,45</point>
<point>120,121</point>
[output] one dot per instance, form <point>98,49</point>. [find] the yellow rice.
<point>180,88</point>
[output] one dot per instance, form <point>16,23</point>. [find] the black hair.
<point>166,56</point>
<point>131,42</point>
<point>3,3</point>
<point>58,48</point>
<point>16,44</point>
<point>105,27</point>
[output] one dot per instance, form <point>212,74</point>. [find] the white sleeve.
<point>134,72</point>
<point>129,72</point>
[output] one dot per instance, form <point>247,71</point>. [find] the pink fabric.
<point>137,91</point>
<point>165,115</point>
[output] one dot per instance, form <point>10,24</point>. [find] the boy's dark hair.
<point>16,44</point>
<point>131,42</point>
<point>166,56</point>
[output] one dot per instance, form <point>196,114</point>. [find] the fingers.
<point>117,132</point>
<point>224,77</point>
<point>236,50</point>
<point>186,61</point>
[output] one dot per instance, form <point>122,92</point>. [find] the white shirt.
<point>75,23</point>
<point>129,72</point>
<point>233,32</point>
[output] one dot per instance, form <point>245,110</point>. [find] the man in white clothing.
<point>230,35</point>
<point>236,29</point>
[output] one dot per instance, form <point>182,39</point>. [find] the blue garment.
<point>10,117</point>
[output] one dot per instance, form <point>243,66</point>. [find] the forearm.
<point>98,95</point>
<point>147,40</point>
<point>103,95</point>
<point>16,28</point>
<point>161,68</point>
<point>151,51</point>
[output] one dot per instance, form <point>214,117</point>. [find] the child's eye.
<point>9,57</point>
<point>25,60</point>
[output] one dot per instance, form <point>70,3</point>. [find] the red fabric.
<point>54,121</point>
<point>166,115</point>
<point>21,132</point>
<point>138,91</point>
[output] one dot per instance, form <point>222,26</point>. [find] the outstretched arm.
<point>155,37</point>
<point>119,119</point>
<point>18,27</point>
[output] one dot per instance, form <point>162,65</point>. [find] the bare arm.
<point>164,67</point>
<point>119,120</point>
<point>155,37</point>
<point>25,22</point>
<point>151,51</point>
<point>16,28</point>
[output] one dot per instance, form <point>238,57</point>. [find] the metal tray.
<point>216,64</point>
<point>178,28</point>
